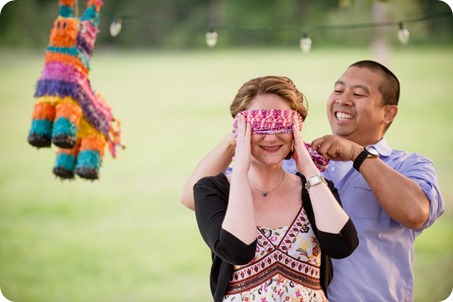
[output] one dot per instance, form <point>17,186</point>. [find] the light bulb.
<point>305,43</point>
<point>403,34</point>
<point>115,27</point>
<point>211,38</point>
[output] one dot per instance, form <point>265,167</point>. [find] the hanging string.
<point>305,41</point>
<point>76,7</point>
<point>280,28</point>
<point>377,24</point>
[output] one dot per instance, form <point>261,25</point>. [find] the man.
<point>390,195</point>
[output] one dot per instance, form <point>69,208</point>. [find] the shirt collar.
<point>383,147</point>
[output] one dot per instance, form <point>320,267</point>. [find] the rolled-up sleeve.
<point>421,170</point>
<point>430,186</point>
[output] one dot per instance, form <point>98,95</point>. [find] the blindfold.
<point>269,121</point>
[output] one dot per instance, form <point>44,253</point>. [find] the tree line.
<point>252,23</point>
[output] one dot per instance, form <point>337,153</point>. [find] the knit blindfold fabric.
<point>269,121</point>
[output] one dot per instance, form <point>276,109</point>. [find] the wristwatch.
<point>314,181</point>
<point>368,152</point>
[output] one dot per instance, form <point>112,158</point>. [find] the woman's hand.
<point>304,162</point>
<point>243,151</point>
<point>240,215</point>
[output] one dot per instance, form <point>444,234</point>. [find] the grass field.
<point>126,237</point>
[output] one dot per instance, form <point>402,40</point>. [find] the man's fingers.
<point>317,143</point>
<point>322,145</point>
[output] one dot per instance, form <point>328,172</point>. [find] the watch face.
<point>314,180</point>
<point>372,150</point>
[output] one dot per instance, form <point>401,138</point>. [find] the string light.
<point>211,37</point>
<point>115,26</point>
<point>403,34</point>
<point>305,43</point>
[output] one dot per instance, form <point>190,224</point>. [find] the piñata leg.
<point>89,159</point>
<point>41,127</point>
<point>65,162</point>
<point>67,118</point>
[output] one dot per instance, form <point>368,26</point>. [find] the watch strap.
<point>361,157</point>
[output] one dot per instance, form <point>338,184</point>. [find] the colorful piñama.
<point>67,112</point>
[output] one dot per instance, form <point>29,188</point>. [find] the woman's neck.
<point>266,180</point>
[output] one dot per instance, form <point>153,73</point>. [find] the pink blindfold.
<point>277,121</point>
<point>269,121</point>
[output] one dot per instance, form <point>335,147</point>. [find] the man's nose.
<point>344,99</point>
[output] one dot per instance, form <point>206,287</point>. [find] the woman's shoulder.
<point>211,192</point>
<point>219,178</point>
<point>295,180</point>
<point>218,181</point>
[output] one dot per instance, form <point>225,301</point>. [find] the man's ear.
<point>390,113</point>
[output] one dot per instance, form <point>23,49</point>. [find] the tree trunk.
<point>380,43</point>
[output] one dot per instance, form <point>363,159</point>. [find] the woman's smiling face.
<point>270,149</point>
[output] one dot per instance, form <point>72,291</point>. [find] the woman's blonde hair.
<point>278,85</point>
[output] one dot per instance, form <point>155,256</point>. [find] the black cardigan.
<point>211,201</point>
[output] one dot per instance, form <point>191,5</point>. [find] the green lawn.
<point>126,237</point>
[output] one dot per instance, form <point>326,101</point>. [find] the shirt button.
<point>332,169</point>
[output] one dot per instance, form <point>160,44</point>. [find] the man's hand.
<point>336,148</point>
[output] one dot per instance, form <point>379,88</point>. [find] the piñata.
<point>67,112</point>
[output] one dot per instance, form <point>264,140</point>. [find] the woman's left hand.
<point>304,162</point>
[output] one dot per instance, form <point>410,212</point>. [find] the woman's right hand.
<point>243,151</point>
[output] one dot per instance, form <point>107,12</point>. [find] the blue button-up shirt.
<point>380,269</point>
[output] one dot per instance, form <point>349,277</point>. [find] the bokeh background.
<point>126,237</point>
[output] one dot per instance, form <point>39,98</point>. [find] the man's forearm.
<point>216,161</point>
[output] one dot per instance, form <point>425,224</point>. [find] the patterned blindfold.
<point>269,121</point>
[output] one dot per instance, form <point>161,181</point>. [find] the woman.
<point>271,233</point>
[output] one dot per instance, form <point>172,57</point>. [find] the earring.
<point>291,152</point>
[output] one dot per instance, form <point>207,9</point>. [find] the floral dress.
<point>286,267</point>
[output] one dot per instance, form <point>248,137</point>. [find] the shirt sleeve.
<point>421,170</point>
<point>211,201</point>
